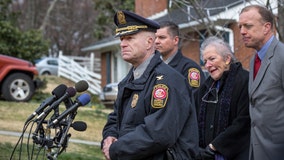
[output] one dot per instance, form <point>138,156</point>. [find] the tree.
<point>5,13</point>
<point>104,25</point>
<point>28,45</point>
<point>69,25</point>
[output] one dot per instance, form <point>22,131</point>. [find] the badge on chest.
<point>134,100</point>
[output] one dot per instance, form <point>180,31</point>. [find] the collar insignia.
<point>160,77</point>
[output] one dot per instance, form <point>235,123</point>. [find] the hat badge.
<point>121,17</point>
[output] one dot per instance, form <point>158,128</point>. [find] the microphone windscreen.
<point>81,86</point>
<point>71,91</point>
<point>79,125</point>
<point>59,90</point>
<point>84,99</point>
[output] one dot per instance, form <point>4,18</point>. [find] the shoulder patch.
<point>194,77</point>
<point>159,96</point>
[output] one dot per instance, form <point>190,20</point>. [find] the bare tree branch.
<point>47,15</point>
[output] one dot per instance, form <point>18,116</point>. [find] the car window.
<point>107,89</point>
<point>52,62</point>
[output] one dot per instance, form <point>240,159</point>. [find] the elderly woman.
<point>222,105</point>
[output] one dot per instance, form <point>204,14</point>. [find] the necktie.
<point>257,63</point>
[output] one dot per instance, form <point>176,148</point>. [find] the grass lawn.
<point>14,114</point>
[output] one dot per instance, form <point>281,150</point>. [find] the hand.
<point>206,153</point>
<point>209,151</point>
<point>106,145</point>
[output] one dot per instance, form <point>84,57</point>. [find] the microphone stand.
<point>42,134</point>
<point>63,142</point>
<point>39,131</point>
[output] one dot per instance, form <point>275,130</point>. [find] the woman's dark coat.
<point>233,143</point>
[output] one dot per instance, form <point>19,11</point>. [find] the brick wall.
<point>148,8</point>
<point>190,47</point>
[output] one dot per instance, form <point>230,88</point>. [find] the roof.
<point>187,13</point>
<point>110,41</point>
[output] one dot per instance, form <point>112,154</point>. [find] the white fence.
<point>91,63</point>
<point>69,68</point>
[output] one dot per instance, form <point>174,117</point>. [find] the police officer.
<point>153,118</point>
<point>167,43</point>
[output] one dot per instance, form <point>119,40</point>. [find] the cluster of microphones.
<point>47,117</point>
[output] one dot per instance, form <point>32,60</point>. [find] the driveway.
<point>18,134</point>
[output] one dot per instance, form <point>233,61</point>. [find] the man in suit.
<point>167,43</point>
<point>266,87</point>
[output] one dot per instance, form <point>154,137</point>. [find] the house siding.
<point>190,47</point>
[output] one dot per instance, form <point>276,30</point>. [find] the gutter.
<point>101,46</point>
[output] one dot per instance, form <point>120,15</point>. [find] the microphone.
<point>70,92</point>
<point>79,126</point>
<point>80,101</point>
<point>81,86</point>
<point>57,92</point>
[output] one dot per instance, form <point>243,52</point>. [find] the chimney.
<point>147,8</point>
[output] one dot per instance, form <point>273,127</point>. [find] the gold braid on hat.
<point>130,28</point>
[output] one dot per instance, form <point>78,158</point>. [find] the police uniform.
<point>153,118</point>
<point>189,69</point>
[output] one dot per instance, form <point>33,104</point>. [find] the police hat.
<point>129,23</point>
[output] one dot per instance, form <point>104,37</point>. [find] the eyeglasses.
<point>211,96</point>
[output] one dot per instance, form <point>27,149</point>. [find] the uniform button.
<point>211,126</point>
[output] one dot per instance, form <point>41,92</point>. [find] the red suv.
<point>17,79</point>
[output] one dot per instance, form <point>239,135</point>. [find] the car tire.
<point>18,87</point>
<point>46,73</point>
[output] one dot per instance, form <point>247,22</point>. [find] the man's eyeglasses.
<point>211,96</point>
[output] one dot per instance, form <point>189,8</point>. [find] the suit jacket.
<point>266,96</point>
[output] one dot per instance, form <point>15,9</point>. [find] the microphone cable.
<point>28,143</point>
<point>20,140</point>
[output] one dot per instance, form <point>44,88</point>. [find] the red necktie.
<point>257,63</point>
